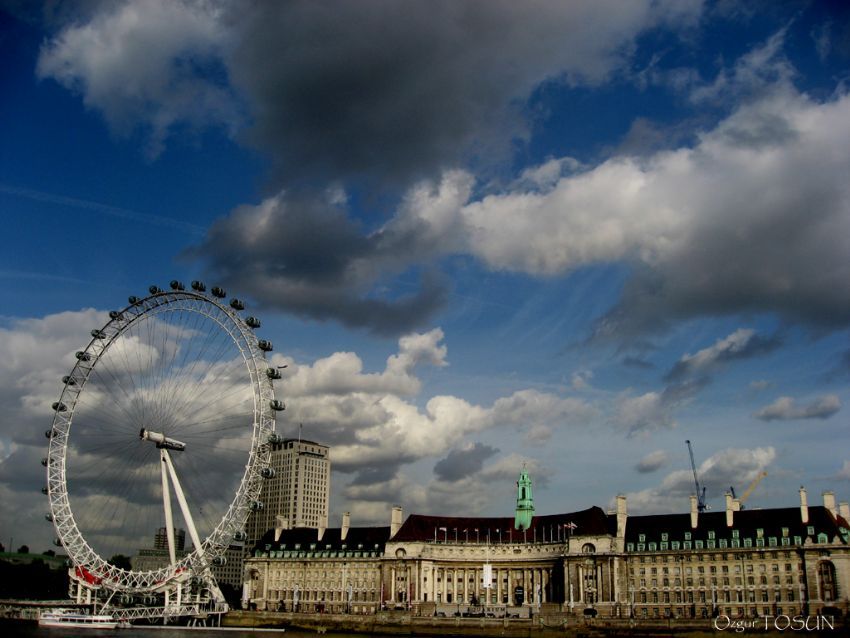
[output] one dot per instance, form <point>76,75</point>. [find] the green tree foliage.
<point>32,581</point>
<point>120,560</point>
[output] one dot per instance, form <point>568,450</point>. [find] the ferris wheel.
<point>173,396</point>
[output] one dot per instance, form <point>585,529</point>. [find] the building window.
<point>826,580</point>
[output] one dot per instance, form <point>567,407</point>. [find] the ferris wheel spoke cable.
<point>119,491</point>
<point>198,418</point>
<point>102,383</point>
<point>193,382</point>
<point>184,400</point>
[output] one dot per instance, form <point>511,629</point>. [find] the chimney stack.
<point>622,515</point>
<point>829,503</point>
<point>804,506</point>
<point>323,525</point>
<point>280,523</point>
<point>844,510</point>
<point>730,509</point>
<point>346,523</point>
<point>694,512</point>
<point>395,521</point>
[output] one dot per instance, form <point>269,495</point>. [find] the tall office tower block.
<point>299,492</point>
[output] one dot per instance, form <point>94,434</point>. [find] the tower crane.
<point>701,507</point>
<point>752,486</point>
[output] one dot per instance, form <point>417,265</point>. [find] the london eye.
<point>163,423</point>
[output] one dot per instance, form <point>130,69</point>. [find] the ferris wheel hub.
<point>161,440</point>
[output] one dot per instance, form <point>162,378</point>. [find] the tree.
<point>49,552</point>
<point>121,561</point>
<point>24,549</point>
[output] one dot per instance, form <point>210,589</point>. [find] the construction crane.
<point>700,491</point>
<point>752,486</point>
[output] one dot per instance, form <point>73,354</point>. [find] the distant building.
<point>161,540</point>
<point>299,493</point>
<point>737,563</point>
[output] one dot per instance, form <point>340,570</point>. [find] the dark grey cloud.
<point>652,462</point>
<point>396,91</point>
<point>460,463</point>
<point>787,409</point>
<point>305,255</point>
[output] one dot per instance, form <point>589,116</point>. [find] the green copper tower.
<point>524,501</point>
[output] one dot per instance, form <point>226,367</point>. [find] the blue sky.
<point>570,235</point>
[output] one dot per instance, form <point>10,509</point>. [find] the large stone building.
<point>738,563</point>
<point>298,493</point>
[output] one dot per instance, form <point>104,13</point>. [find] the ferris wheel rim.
<point>87,561</point>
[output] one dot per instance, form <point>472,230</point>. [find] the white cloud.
<point>844,472</point>
<point>786,409</point>
<point>140,62</point>
<point>342,372</point>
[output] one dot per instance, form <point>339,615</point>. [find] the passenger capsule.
<point>200,286</point>
<point>252,322</point>
<point>58,406</point>
<point>57,542</point>
<point>49,434</point>
<point>69,380</point>
<point>115,314</point>
<point>155,290</point>
<point>240,536</point>
<point>219,292</point>
<point>265,346</point>
<point>98,334</point>
<point>219,560</point>
<point>267,472</point>
<point>44,491</point>
<point>177,285</point>
<point>237,304</point>
<point>83,356</point>
<point>133,299</point>
<point>49,517</point>
<point>44,461</point>
<point>274,438</point>
<point>256,506</point>
<point>277,405</point>
<point>273,373</point>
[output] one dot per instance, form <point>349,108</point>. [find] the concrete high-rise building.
<point>298,494</point>
<point>161,539</point>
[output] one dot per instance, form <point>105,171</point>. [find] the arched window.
<point>826,580</point>
<point>588,548</point>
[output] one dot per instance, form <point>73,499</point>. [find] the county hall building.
<point>741,563</point>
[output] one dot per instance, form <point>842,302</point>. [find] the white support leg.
<point>166,501</point>
<point>181,499</point>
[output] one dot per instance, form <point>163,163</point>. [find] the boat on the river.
<point>69,618</point>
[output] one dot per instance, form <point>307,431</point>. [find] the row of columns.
<point>528,578</point>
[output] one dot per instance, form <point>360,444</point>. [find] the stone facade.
<point>738,563</point>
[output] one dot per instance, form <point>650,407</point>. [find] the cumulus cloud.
<point>151,64</point>
<point>722,469</point>
<point>652,462</point>
<point>654,410</point>
<point>786,409</point>
<point>844,472</point>
<point>752,218</point>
